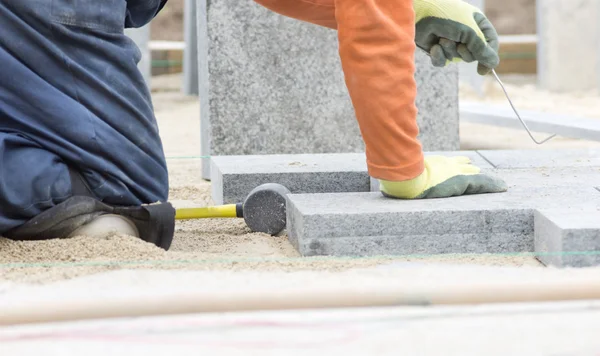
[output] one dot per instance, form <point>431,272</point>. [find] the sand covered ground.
<point>214,244</point>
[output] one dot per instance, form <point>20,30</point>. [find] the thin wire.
<point>513,107</point>
<point>517,113</point>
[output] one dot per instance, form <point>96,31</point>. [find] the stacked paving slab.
<point>552,207</point>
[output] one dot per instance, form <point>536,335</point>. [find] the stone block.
<point>364,224</point>
<point>568,238</point>
<point>437,101</point>
<point>233,177</point>
<point>563,125</point>
<point>547,158</point>
<point>273,85</point>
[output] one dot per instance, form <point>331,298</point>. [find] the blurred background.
<point>511,17</point>
<point>169,25</point>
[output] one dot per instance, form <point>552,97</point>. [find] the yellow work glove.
<point>453,30</point>
<point>444,177</point>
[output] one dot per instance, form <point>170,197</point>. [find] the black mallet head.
<point>265,208</point>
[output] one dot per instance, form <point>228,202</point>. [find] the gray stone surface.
<point>366,224</point>
<point>335,208</point>
<point>274,85</point>
<point>437,101</point>
<point>563,125</point>
<point>555,158</point>
<point>233,177</point>
<point>545,177</point>
<point>369,224</point>
<point>568,238</point>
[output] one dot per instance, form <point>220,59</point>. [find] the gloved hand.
<point>453,30</point>
<point>444,177</point>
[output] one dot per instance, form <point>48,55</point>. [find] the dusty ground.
<point>508,16</point>
<point>213,244</point>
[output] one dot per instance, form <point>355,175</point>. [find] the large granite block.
<point>568,239</point>
<point>366,224</point>
<point>273,85</point>
<point>233,177</point>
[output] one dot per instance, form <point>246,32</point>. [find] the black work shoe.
<point>82,215</point>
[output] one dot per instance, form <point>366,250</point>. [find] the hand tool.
<point>263,210</point>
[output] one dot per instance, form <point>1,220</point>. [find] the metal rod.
<point>512,106</point>
<point>517,113</point>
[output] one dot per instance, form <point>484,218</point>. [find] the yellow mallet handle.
<point>221,211</point>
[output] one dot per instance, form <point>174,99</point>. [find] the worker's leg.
<point>31,180</point>
<point>376,40</point>
<point>71,94</point>
<point>42,198</point>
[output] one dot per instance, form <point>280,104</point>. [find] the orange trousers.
<point>377,48</point>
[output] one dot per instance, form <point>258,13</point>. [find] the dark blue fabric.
<point>71,95</point>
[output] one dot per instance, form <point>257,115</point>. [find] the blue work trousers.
<point>72,97</point>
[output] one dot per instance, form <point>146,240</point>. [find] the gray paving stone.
<point>362,224</point>
<point>546,158</point>
<point>233,177</point>
<point>503,116</point>
<point>568,238</point>
<point>542,177</point>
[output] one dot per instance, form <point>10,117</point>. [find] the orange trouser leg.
<point>376,40</point>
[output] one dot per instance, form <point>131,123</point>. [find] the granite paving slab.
<point>568,238</point>
<point>233,177</point>
<point>367,224</point>
<point>335,207</point>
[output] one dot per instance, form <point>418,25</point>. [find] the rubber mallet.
<point>263,210</point>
